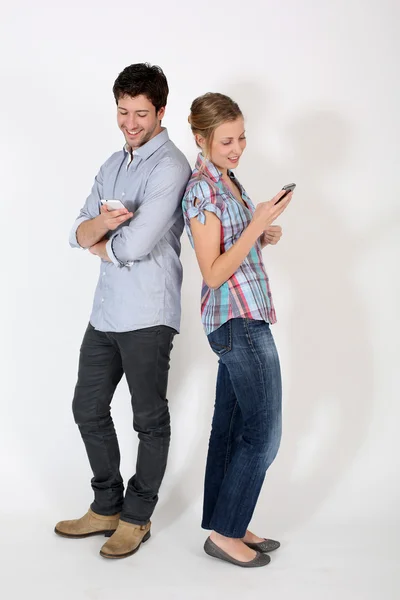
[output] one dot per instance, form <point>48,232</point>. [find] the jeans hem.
<point>109,512</point>
<point>229,534</point>
<point>134,521</point>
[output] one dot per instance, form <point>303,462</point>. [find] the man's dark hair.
<point>142,78</point>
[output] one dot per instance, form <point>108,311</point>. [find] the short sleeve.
<point>200,197</point>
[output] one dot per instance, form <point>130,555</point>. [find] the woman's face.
<point>228,144</point>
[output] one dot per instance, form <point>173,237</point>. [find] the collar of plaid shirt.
<point>209,169</point>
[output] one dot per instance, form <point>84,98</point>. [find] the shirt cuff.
<point>73,241</point>
<point>113,258</point>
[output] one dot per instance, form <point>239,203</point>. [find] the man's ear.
<point>161,113</point>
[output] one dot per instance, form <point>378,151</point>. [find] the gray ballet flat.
<point>260,560</point>
<point>265,546</point>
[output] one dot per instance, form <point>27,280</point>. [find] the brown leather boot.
<point>89,524</point>
<point>126,540</point>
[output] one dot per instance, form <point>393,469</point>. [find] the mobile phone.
<point>113,204</point>
<point>289,188</point>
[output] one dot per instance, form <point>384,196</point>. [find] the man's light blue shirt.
<point>141,287</point>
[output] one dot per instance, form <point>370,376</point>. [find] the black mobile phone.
<point>289,188</point>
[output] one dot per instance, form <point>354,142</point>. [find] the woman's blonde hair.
<point>209,112</point>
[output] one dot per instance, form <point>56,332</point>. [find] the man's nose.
<point>130,122</point>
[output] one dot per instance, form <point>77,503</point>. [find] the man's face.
<point>138,120</point>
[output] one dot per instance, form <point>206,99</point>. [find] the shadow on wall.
<point>191,393</point>
<point>328,402</point>
<point>329,399</point>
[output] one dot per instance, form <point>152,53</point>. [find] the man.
<point>136,311</point>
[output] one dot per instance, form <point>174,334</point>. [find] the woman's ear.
<point>200,141</point>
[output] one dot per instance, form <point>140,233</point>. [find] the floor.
<point>318,562</point>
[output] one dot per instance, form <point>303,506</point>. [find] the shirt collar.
<point>207,167</point>
<point>151,146</point>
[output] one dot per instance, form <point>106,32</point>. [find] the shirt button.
<point>123,193</point>
<point>102,299</point>
<point>104,273</point>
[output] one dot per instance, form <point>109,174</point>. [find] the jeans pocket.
<point>256,322</point>
<point>220,340</point>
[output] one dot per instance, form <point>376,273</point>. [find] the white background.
<point>319,86</point>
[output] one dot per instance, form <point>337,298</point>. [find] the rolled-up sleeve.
<point>160,208</point>
<point>113,258</point>
<point>90,209</point>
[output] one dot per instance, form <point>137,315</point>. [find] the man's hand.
<point>90,232</point>
<point>271,235</point>
<point>111,219</point>
<point>99,250</point>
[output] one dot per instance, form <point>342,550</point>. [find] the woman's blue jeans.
<point>246,426</point>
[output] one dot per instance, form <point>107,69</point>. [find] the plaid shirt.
<point>247,292</point>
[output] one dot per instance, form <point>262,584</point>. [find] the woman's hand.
<point>271,235</point>
<point>267,212</point>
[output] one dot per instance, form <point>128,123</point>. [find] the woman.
<point>228,233</point>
